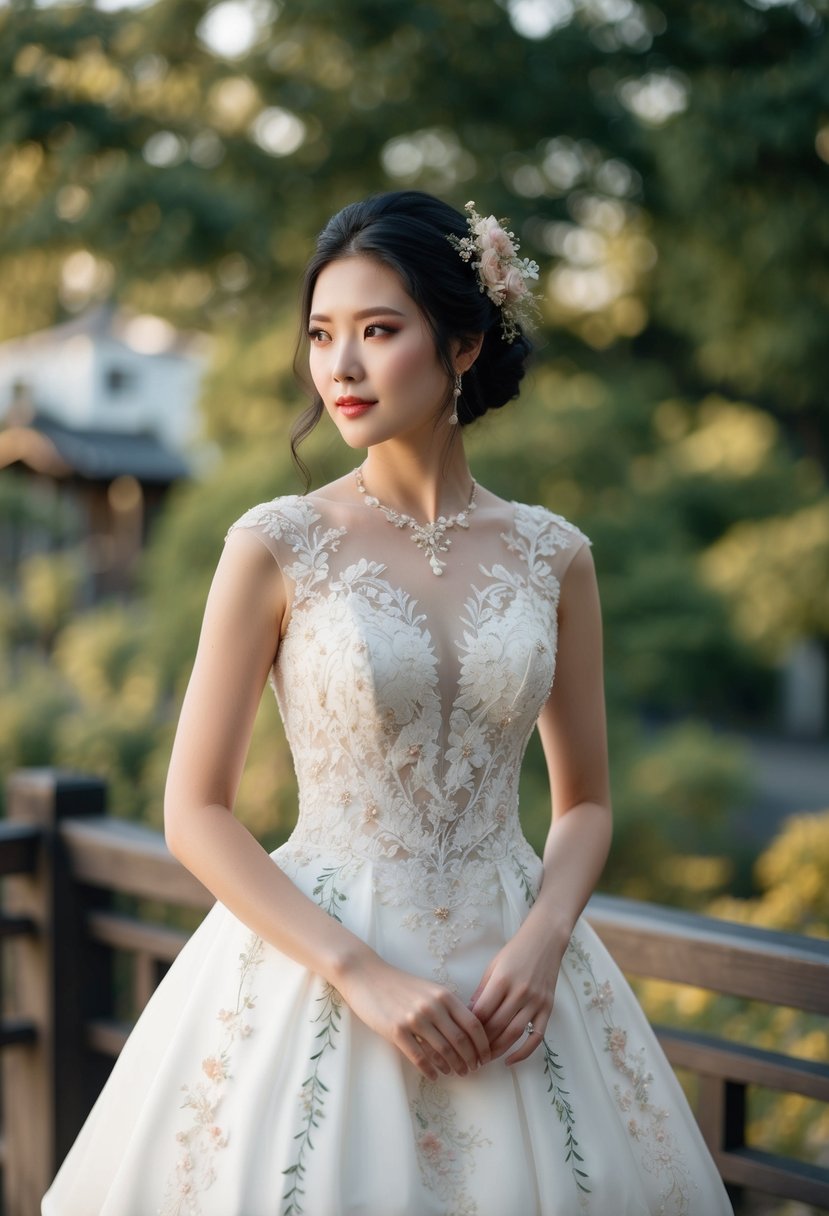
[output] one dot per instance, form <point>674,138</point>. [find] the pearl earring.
<point>456,392</point>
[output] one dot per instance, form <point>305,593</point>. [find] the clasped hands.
<point>438,1033</point>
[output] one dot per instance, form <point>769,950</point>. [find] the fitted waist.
<point>431,879</point>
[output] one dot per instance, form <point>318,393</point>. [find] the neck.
<point>420,483</point>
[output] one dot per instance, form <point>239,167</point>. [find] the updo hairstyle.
<point>407,231</point>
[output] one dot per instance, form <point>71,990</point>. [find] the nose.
<point>347,366</point>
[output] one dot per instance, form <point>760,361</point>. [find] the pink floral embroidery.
<point>445,1153</point>
<point>195,1168</point>
<point>660,1152</point>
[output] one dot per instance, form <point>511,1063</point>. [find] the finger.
<point>517,1029</point>
<point>458,1038</point>
<point>526,1049</point>
<point>461,1050</point>
<point>489,1000</point>
<point>437,1061</point>
<point>502,1019</point>
<point>476,1031</point>
<point>419,1054</point>
<point>445,1041</point>
<point>510,1009</point>
<point>483,983</point>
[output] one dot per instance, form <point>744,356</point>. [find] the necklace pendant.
<point>431,537</point>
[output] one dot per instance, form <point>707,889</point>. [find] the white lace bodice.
<point>408,700</point>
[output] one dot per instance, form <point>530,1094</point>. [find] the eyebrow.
<point>377,311</point>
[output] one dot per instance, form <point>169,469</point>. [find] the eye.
<point>317,336</point>
<point>375,330</point>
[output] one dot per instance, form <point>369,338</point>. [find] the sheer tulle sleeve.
<point>548,542</point>
<point>293,532</point>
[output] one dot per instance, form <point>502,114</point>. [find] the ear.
<point>465,351</point>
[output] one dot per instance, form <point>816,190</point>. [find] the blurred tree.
<point>672,160</point>
<point>667,160</point>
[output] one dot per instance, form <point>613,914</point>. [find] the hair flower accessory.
<point>493,251</point>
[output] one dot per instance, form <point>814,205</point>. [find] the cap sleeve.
<point>293,532</point>
<point>549,542</point>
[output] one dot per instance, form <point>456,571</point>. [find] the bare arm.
<point>573,732</point>
<point>239,639</point>
<point>519,985</point>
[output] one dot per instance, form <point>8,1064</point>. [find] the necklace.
<point>431,538</point>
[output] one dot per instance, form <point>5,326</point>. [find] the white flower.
<point>484,672</point>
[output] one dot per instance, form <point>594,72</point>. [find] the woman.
<point>393,1014</point>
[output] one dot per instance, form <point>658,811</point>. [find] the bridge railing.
<point>80,963</point>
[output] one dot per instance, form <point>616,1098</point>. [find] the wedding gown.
<point>247,1087</point>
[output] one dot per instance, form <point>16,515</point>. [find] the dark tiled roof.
<point>101,455</point>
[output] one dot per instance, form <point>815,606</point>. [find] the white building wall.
<point>99,381</point>
<point>136,392</point>
<point>59,378</point>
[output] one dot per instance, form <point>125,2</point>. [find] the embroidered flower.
<point>214,1068</point>
<point>446,1152</point>
<point>493,251</point>
<point>195,1167</point>
<point>603,996</point>
<point>617,1041</point>
<point>466,742</point>
<point>661,1154</point>
<point>430,1146</point>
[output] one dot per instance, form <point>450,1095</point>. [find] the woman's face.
<point>373,359</point>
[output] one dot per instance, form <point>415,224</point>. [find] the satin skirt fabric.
<point>248,1088</point>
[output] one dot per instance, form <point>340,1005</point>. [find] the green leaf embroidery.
<point>560,1098</point>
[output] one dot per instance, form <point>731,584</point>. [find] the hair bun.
<point>495,376</point>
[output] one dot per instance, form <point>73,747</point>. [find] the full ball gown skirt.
<point>247,1087</point>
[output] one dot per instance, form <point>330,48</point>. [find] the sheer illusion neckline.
<point>394,570</point>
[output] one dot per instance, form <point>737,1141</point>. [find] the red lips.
<point>353,407</point>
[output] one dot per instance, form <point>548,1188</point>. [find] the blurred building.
<point>98,418</point>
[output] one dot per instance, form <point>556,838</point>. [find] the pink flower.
<point>501,242</point>
<point>430,1145</point>
<point>618,1041</point>
<point>490,268</point>
<point>502,274</point>
<point>515,285</point>
<point>213,1068</point>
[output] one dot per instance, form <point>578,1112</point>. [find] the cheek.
<point>319,372</point>
<point>416,365</point>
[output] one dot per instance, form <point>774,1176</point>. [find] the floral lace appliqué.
<point>205,1137</point>
<point>646,1122</point>
<point>293,520</point>
<point>392,769</point>
<point>445,1153</point>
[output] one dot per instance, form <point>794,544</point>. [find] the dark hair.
<point>407,231</point>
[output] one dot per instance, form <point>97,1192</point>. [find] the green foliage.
<point>32,706</point>
<point>791,896</point>
<point>667,165</point>
<point>49,586</point>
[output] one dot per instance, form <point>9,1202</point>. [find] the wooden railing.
<point>65,867</point>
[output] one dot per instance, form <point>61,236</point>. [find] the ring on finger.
<point>530,1029</point>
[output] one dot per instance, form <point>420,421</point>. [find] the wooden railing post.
<point>46,1083</point>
